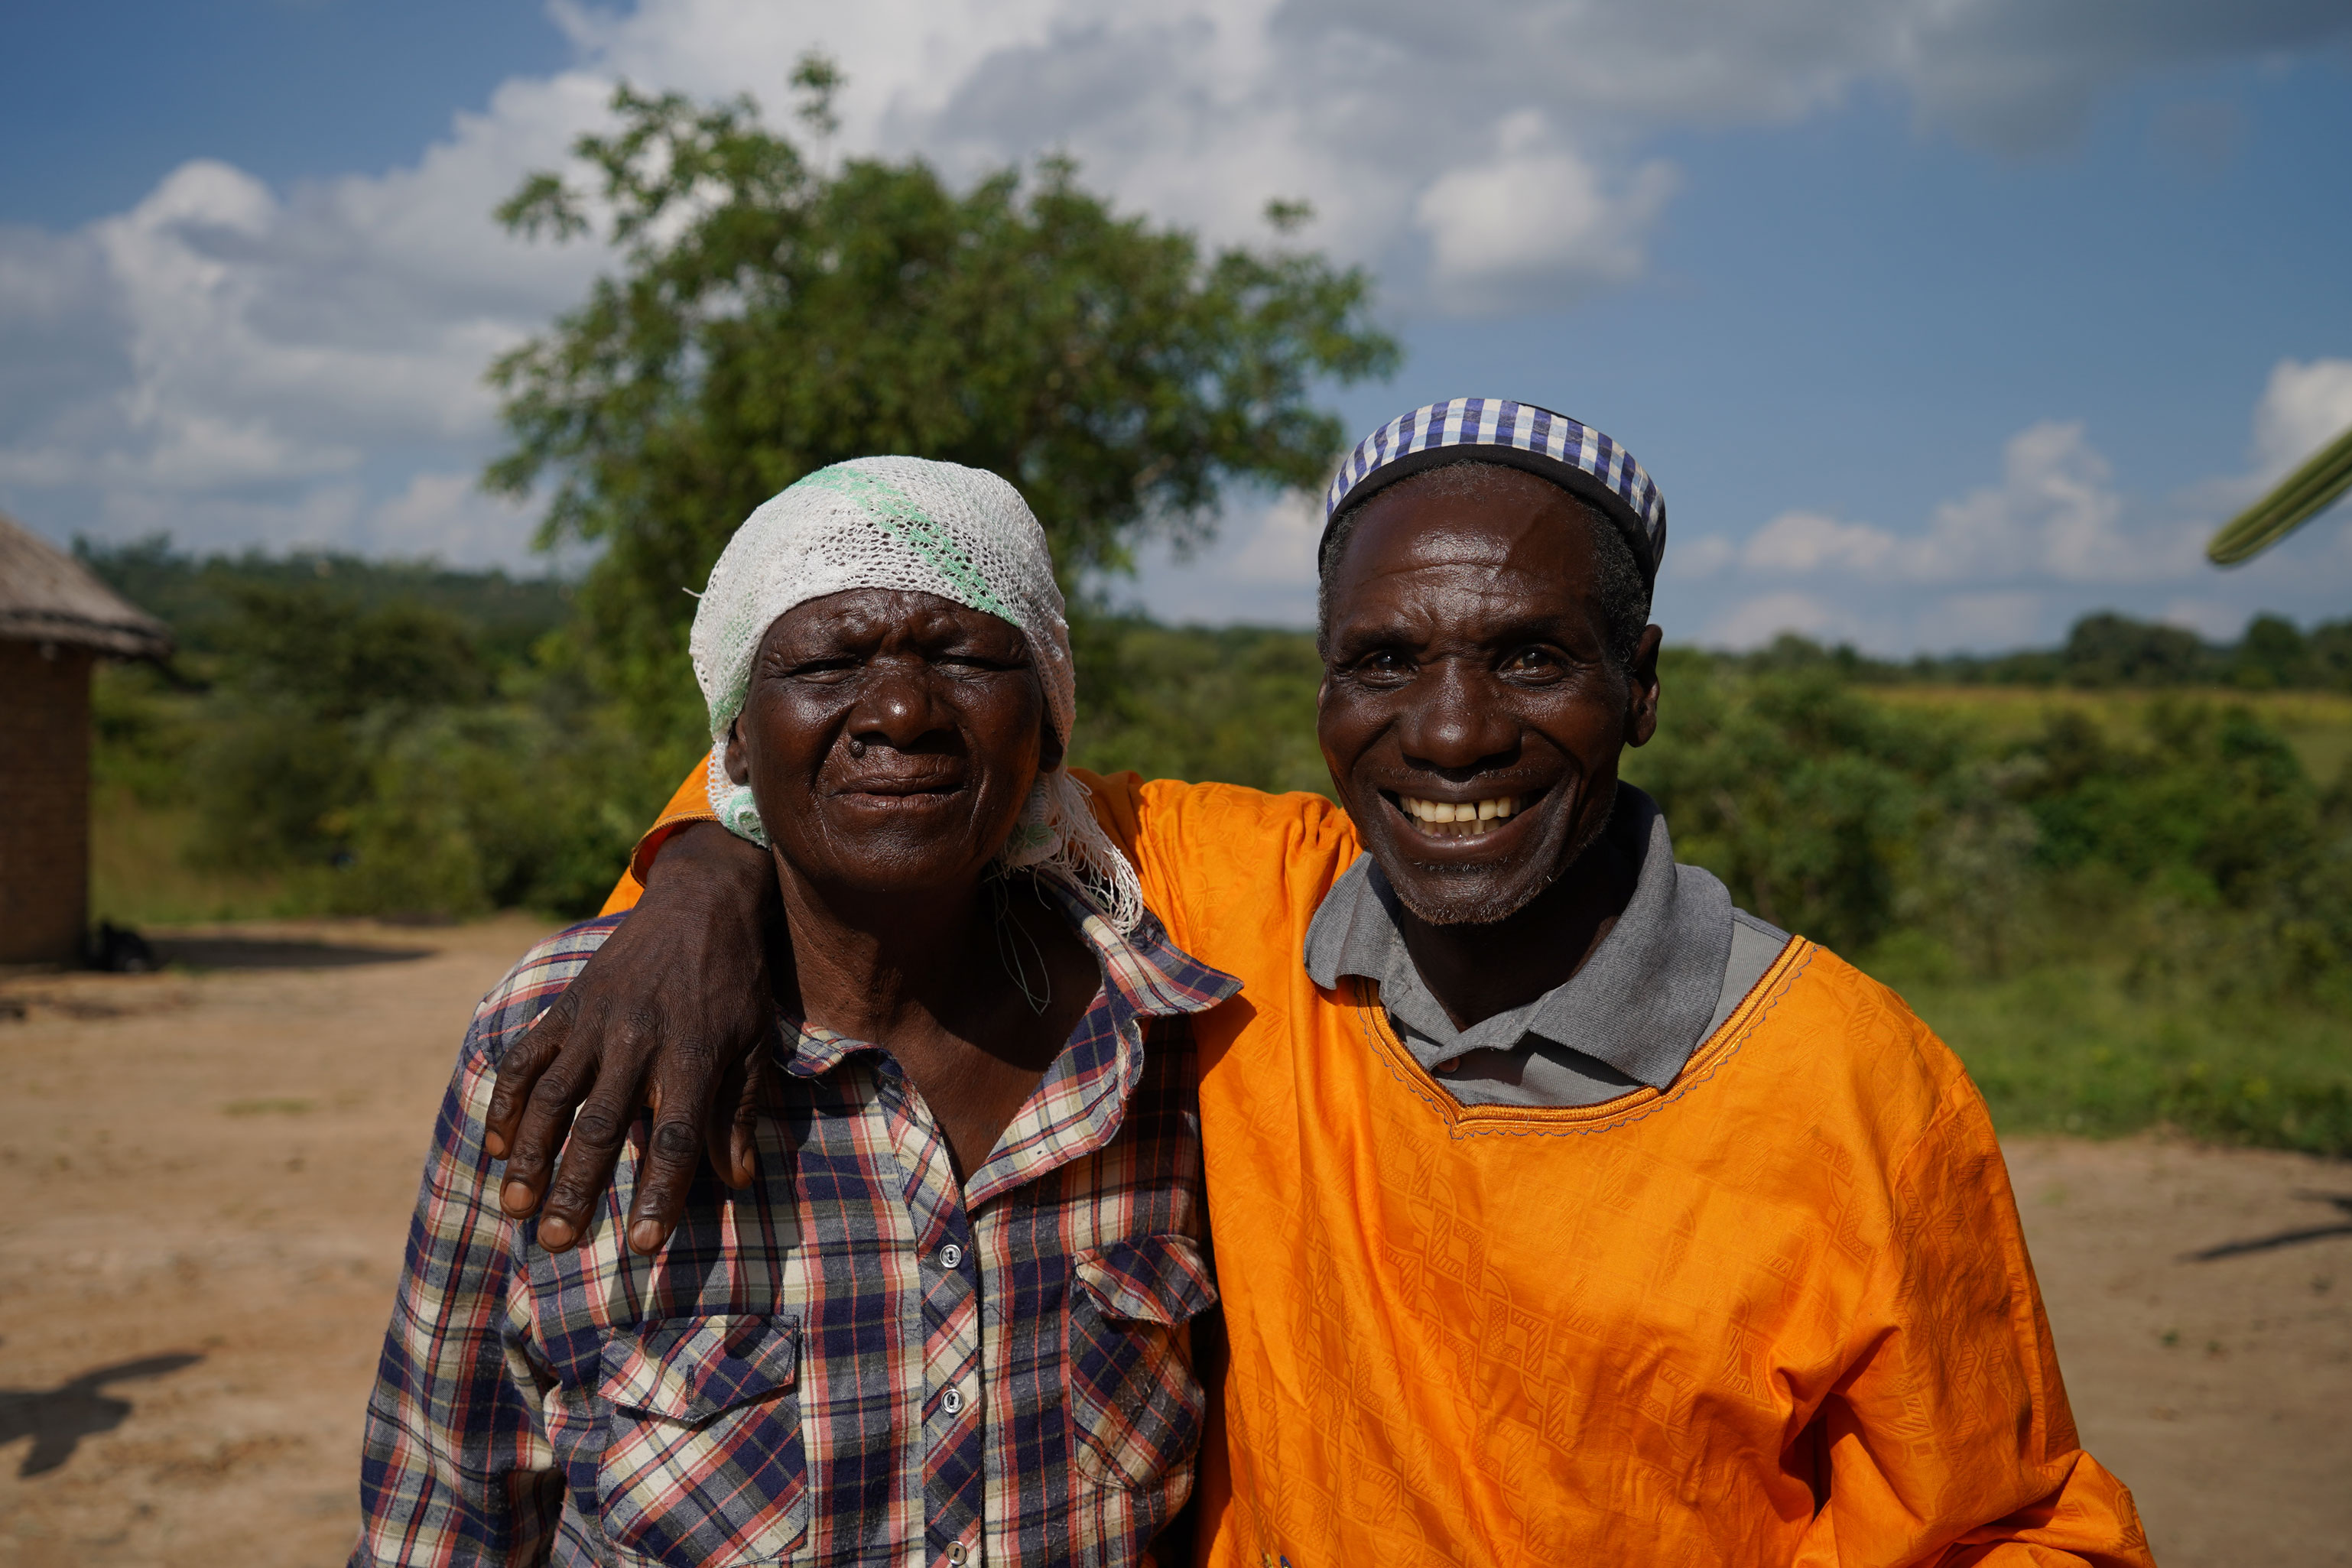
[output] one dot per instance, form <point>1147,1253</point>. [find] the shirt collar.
<point>1145,974</point>
<point>1640,1003</point>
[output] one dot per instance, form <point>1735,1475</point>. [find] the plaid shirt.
<point>855,1359</point>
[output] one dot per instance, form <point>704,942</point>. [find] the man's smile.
<point>1472,819</point>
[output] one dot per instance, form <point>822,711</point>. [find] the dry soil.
<point>207,1172</point>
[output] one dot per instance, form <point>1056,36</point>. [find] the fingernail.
<point>645,1236</point>
<point>495,1145</point>
<point>515,1197</point>
<point>554,1234</point>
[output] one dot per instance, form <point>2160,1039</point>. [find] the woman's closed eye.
<point>978,660</point>
<point>819,669</point>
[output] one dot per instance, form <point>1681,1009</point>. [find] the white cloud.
<point>1260,569</point>
<point>1700,557</point>
<point>1535,226</point>
<point>2004,618</point>
<point>232,358</point>
<point>2002,565</point>
<point>1758,621</point>
<point>323,516</point>
<point>2218,619</point>
<point>2021,75</point>
<point>266,347</point>
<point>1801,542</point>
<point>2304,407</point>
<point>2054,515</point>
<point>450,516</point>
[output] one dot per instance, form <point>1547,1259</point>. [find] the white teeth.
<point>1464,818</point>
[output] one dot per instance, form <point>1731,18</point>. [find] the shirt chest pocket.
<point>1135,1405</point>
<point>703,1466</point>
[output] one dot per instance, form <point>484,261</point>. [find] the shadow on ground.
<point>2340,1201</point>
<point>58,1418</point>
<point>274,953</point>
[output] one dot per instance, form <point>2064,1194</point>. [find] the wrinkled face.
<point>1469,713</point>
<point>890,739</point>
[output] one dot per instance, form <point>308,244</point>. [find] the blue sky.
<point>1938,324</point>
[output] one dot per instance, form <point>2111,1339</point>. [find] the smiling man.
<point>1561,1210</point>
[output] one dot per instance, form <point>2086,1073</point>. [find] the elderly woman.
<point>945,1323</point>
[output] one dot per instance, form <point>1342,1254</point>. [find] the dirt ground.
<point>207,1172</point>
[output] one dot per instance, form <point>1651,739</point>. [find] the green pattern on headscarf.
<point>894,514</point>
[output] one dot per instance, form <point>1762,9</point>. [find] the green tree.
<point>1809,799</point>
<point>2274,652</point>
<point>1234,703</point>
<point>771,317</point>
<point>2112,650</point>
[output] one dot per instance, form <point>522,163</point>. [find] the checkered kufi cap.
<point>1577,457</point>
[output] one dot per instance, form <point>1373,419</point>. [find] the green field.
<point>2079,1047</point>
<point>2319,725</point>
<point>2126,1017</point>
<point>140,874</point>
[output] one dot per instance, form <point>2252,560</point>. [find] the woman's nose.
<point>896,706</point>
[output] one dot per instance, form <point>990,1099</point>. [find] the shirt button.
<point>955,1552</point>
<point>950,1255</point>
<point>951,1400</point>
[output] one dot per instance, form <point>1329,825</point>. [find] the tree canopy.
<point>772,316</point>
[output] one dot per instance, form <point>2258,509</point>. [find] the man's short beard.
<point>1490,909</point>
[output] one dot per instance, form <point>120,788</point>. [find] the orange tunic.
<point>1780,1313</point>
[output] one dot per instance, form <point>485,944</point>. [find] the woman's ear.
<point>738,755</point>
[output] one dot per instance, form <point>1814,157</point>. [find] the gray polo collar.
<point>1641,1002</point>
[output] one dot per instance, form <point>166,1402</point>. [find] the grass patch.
<point>139,873</point>
<point>2075,1047</point>
<point>2317,724</point>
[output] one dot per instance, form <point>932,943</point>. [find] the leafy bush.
<point>327,748</point>
<point>1810,800</point>
<point>2114,926</point>
<point>1236,705</point>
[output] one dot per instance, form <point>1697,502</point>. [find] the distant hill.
<point>198,597</point>
<point>2106,651</point>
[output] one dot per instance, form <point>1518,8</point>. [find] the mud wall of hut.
<point>43,802</point>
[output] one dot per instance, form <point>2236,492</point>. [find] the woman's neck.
<point>871,966</point>
<point>924,979</point>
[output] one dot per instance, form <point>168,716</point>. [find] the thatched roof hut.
<point>47,596</point>
<point>55,621</point>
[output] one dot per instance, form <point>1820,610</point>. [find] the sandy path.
<point>2219,1388</point>
<point>258,1134</point>
<point>219,1165</point>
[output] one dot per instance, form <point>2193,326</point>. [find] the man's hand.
<point>673,1012</point>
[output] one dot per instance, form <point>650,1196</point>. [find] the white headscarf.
<point>908,523</point>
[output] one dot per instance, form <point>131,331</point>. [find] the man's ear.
<point>1642,689</point>
<point>738,755</point>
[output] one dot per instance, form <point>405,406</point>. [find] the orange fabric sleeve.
<point>691,803</point>
<point>1959,1414</point>
<point>1220,861</point>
